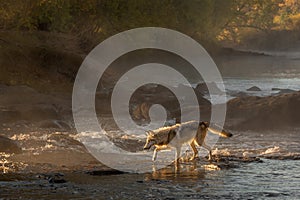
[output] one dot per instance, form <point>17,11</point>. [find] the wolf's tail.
<point>221,133</point>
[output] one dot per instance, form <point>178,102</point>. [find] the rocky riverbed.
<point>42,158</point>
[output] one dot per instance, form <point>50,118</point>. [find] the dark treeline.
<point>206,20</point>
<point>43,42</point>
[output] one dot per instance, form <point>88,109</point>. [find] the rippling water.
<point>234,85</point>
<point>264,83</point>
<point>250,165</point>
<point>254,166</point>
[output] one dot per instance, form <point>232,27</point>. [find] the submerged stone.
<point>9,146</point>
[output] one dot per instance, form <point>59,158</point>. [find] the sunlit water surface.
<point>275,175</point>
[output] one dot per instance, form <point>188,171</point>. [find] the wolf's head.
<point>203,125</point>
<point>150,141</point>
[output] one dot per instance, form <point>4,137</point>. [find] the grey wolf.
<point>192,133</point>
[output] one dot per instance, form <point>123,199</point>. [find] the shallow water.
<point>234,85</point>
<point>264,83</point>
<point>249,165</point>
<point>254,180</point>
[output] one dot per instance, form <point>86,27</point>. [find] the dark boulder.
<point>265,113</point>
<point>283,91</point>
<point>203,88</point>
<point>254,89</point>
<point>146,96</point>
<point>9,146</point>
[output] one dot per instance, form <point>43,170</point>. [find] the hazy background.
<point>43,42</point>
<point>253,42</point>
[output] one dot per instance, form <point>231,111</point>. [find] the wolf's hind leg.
<point>177,154</point>
<point>209,150</point>
<point>195,151</point>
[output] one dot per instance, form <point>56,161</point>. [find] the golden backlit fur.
<point>192,132</point>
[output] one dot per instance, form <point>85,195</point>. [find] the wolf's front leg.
<point>159,148</point>
<point>154,154</point>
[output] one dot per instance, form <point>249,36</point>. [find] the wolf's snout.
<point>146,148</point>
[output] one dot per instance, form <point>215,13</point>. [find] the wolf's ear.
<point>203,125</point>
<point>148,133</point>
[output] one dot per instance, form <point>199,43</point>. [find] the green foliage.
<point>35,14</point>
<point>289,15</point>
<point>201,19</point>
<point>204,18</point>
<point>126,14</point>
<point>51,15</point>
<point>249,15</point>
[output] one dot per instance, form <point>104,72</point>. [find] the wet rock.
<point>128,144</point>
<point>141,111</point>
<point>65,140</point>
<point>37,113</point>
<point>105,172</point>
<point>52,178</point>
<point>237,94</point>
<point>24,104</point>
<point>170,198</point>
<point>203,88</point>
<point>241,94</point>
<point>283,91</point>
<point>29,113</point>
<point>56,178</point>
<point>280,157</point>
<point>264,113</point>
<point>8,115</point>
<point>254,89</point>
<point>146,96</point>
<point>9,146</point>
<point>54,124</point>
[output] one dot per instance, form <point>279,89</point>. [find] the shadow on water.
<point>227,177</point>
<point>252,166</point>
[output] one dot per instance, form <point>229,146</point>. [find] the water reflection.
<point>3,162</point>
<point>187,171</point>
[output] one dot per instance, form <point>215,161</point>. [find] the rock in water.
<point>9,146</point>
<point>254,88</point>
<point>264,113</point>
<point>203,88</point>
<point>283,91</point>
